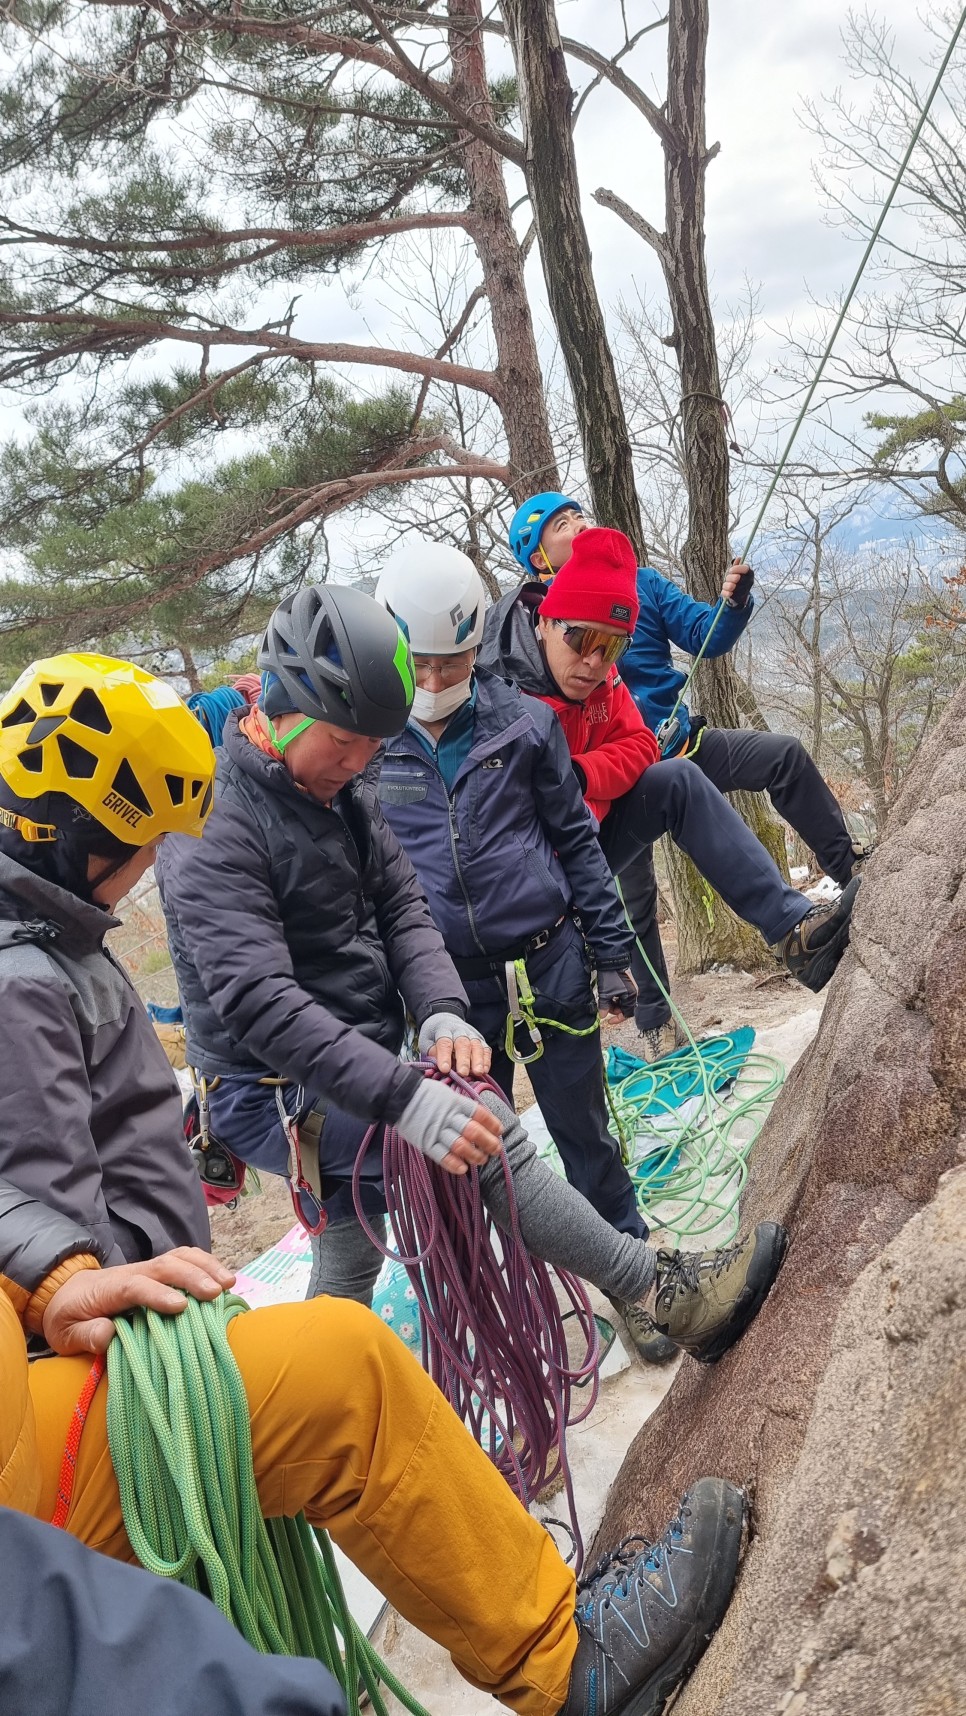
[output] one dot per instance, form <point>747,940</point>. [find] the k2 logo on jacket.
<point>492,763</point>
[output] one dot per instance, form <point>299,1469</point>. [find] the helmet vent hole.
<point>175,786</point>
<point>90,712</point>
<point>50,693</point>
<point>81,765</point>
<point>126,783</point>
<point>206,801</point>
<point>196,787</point>
<point>32,761</point>
<point>43,727</point>
<point>22,716</point>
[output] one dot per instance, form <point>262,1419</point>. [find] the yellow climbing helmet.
<point>89,731</point>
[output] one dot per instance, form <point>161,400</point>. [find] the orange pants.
<point>347,1427</point>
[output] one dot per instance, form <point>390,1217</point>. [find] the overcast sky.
<point>764,219</point>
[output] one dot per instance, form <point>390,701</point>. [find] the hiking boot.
<point>646,1612</point>
<point>706,1299</point>
<point>662,1040</point>
<point>646,1338</point>
<point>812,950</point>
<point>862,854</point>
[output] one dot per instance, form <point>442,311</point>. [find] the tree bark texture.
<point>532,457</point>
<point>546,100</point>
<point>719,937</point>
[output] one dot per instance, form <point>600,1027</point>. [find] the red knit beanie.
<point>598,584</point>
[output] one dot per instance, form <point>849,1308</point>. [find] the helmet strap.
<point>35,832</point>
<point>280,744</point>
<point>546,560</point>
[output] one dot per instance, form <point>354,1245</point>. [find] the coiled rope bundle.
<point>691,1179</point>
<point>180,1439</point>
<point>494,1335</point>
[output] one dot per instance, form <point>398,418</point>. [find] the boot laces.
<point>682,1271</point>
<point>628,1563</point>
<point>615,1569</point>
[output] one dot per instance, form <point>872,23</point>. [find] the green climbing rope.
<point>691,1179</point>
<point>180,1439</point>
<point>693,1172</point>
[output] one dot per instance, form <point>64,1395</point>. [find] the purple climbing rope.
<point>493,1331</point>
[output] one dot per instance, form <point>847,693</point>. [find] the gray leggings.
<point>557,1224</point>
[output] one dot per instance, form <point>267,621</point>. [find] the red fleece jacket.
<point>608,741</point>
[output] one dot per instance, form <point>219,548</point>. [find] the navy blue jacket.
<point>669,616</point>
<point>511,847</point>
<point>82,1633</point>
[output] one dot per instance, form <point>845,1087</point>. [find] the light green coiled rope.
<point>180,1440</point>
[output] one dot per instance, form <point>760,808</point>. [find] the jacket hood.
<point>510,646</point>
<point>25,896</point>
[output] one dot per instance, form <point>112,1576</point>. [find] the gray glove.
<point>440,1025</point>
<point>433,1119</point>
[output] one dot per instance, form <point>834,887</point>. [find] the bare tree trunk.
<point>704,936</point>
<point>546,101</point>
<point>190,667</point>
<point>533,460</point>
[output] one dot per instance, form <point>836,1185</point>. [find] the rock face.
<point>843,1410</point>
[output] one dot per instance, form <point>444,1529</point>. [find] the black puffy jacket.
<point>297,932</point>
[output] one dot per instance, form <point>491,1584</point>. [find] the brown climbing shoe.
<point>812,950</point>
<point>646,1338</point>
<point>662,1040</point>
<point>706,1299</point>
<point>862,854</point>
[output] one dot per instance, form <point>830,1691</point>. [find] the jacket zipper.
<point>453,842</point>
<point>453,838</point>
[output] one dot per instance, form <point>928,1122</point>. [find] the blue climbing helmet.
<point>528,521</point>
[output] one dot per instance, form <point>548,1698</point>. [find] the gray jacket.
<point>90,1111</point>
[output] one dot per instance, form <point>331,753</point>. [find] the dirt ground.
<point>715,1000</point>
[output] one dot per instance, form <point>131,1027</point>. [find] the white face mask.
<point>436,705</point>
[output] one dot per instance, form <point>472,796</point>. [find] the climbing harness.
<point>180,1440</point>
<point>523,1016</point>
<point>303,1137</point>
<point>494,1336</point>
<point>806,404</point>
<point>222,1174</point>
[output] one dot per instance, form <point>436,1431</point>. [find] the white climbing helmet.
<point>436,595</point>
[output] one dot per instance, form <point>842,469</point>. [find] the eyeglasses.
<point>586,640</point>
<point>451,668</point>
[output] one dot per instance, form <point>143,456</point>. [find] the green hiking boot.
<point>646,1338</point>
<point>706,1299</point>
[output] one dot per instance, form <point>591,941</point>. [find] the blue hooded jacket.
<point>510,847</point>
<point>669,616</point>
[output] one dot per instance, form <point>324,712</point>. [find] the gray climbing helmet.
<point>340,657</point>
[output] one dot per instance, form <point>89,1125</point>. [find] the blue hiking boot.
<point>646,1612</point>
